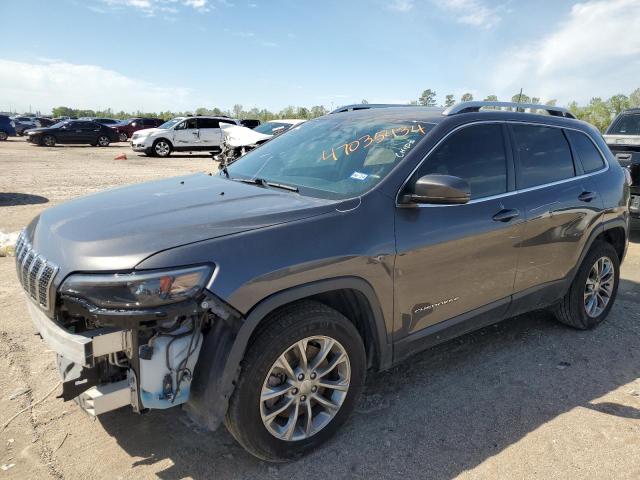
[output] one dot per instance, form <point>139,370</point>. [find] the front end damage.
<point>147,358</point>
<point>238,141</point>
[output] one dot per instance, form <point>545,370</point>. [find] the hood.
<point>39,130</point>
<point>149,131</point>
<point>237,136</point>
<point>117,229</point>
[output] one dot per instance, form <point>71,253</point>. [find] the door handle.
<point>506,215</point>
<point>586,196</point>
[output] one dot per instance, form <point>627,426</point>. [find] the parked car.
<point>23,123</point>
<point>182,134</point>
<point>250,122</point>
<point>237,141</point>
<point>73,131</point>
<point>276,127</point>
<point>128,127</point>
<point>44,122</point>
<point>7,128</point>
<point>623,138</point>
<point>111,122</point>
<point>262,295</point>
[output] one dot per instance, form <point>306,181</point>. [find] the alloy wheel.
<point>3,136</point>
<point>305,388</point>
<point>599,287</point>
<point>49,141</point>
<point>103,141</point>
<point>162,148</point>
<point>123,137</point>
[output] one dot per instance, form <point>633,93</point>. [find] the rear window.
<point>544,155</point>
<point>587,152</point>
<point>626,125</point>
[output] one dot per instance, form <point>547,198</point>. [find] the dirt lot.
<point>524,399</point>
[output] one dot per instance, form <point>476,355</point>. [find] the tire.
<point>162,148</point>
<point>122,137</point>
<point>576,308</point>
<point>103,141</point>
<point>48,141</point>
<point>3,136</point>
<point>281,334</point>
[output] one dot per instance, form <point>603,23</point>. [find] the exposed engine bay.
<point>237,142</point>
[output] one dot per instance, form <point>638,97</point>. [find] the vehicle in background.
<point>23,123</point>
<point>367,106</point>
<point>623,139</point>
<point>73,131</point>
<point>276,127</point>
<point>127,128</point>
<point>111,122</point>
<point>250,123</point>
<point>44,122</point>
<point>237,141</point>
<point>7,128</point>
<point>182,134</point>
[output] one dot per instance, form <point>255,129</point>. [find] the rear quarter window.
<point>544,155</point>
<point>628,124</point>
<point>586,151</point>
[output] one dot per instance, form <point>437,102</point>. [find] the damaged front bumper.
<point>146,359</point>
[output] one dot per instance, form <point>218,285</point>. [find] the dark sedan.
<point>73,131</point>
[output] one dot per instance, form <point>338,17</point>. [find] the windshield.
<point>626,125</point>
<point>171,122</point>
<point>269,127</point>
<point>59,124</point>
<point>335,157</point>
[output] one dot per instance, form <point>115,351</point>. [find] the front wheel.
<point>593,291</point>
<point>3,136</point>
<point>162,148</point>
<point>301,378</point>
<point>49,141</point>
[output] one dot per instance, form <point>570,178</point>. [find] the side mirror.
<point>439,190</point>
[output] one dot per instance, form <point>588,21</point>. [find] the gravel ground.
<point>527,398</point>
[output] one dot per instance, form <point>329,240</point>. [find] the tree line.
<point>598,111</point>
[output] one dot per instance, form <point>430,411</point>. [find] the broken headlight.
<point>138,289</point>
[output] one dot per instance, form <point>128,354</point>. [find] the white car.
<point>182,134</point>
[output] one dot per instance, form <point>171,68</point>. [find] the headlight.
<point>138,289</point>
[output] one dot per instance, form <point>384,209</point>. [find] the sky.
<point>158,55</point>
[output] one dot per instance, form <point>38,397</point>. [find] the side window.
<point>544,155</point>
<point>208,123</point>
<point>477,155</point>
<point>187,124</point>
<point>587,152</point>
<point>147,122</point>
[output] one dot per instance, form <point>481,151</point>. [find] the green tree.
<point>449,100</point>
<point>364,101</point>
<point>618,103</point>
<point>302,113</point>
<point>552,102</point>
<point>428,98</point>
<point>634,99</point>
<point>318,111</point>
<point>520,98</point>
<point>491,98</point>
<point>237,110</point>
<point>466,97</point>
<point>413,102</point>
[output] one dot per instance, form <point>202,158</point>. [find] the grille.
<point>34,272</point>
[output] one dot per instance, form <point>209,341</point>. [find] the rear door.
<point>562,205</point>
<point>70,132</point>
<point>453,259</point>
<point>186,134</point>
<point>210,132</point>
<point>89,132</point>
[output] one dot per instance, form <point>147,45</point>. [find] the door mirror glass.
<point>440,190</point>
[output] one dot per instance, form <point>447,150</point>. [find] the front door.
<point>186,135</point>
<point>453,259</point>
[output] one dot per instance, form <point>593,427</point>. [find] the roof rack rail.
<point>467,107</point>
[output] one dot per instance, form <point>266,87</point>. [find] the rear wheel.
<point>103,141</point>
<point>300,380</point>
<point>49,141</point>
<point>161,148</point>
<point>123,137</point>
<point>593,291</point>
<point>3,136</point>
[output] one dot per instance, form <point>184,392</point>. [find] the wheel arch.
<point>162,138</point>
<point>224,350</point>
<point>614,231</point>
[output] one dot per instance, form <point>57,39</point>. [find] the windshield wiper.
<point>264,183</point>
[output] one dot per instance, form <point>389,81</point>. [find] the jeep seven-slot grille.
<point>34,272</point>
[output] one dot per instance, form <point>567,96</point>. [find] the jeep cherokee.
<point>260,296</point>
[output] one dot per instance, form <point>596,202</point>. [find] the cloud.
<point>151,7</point>
<point>472,12</point>
<point>54,83</point>
<point>596,49</point>
<point>401,5</point>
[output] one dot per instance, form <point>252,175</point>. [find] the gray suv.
<point>262,295</point>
